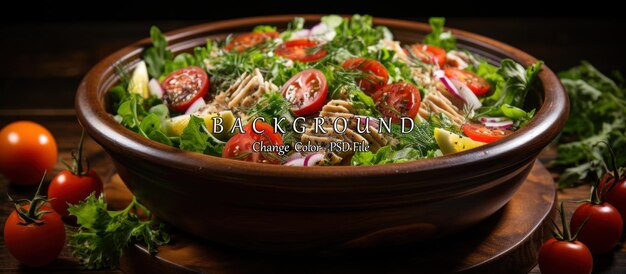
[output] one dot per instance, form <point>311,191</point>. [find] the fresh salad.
<point>342,92</point>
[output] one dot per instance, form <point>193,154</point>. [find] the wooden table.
<point>42,66</point>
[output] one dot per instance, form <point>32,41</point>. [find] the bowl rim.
<point>519,147</point>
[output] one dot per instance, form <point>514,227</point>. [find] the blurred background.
<point>48,46</point>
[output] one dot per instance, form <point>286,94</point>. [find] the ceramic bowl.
<point>273,208</point>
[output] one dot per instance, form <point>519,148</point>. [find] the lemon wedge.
<point>139,80</point>
<point>451,143</point>
<point>176,125</point>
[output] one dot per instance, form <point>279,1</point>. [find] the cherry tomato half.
<point>398,100</point>
<point>68,188</point>
<point>306,91</point>
<point>603,227</point>
<point>35,244</point>
<point>557,257</point>
<point>302,50</point>
<point>480,133</point>
<point>27,150</point>
<point>375,74</point>
<point>477,84</point>
<point>240,146</point>
<point>248,40</point>
<point>428,54</point>
<point>185,86</point>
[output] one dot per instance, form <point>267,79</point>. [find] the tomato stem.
<point>34,213</point>
<point>77,167</point>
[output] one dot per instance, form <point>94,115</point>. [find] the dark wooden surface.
<point>41,65</point>
<point>507,241</point>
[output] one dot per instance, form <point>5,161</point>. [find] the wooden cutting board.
<point>507,242</point>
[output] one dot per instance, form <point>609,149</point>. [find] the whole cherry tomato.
<point>27,150</point>
<point>73,185</point>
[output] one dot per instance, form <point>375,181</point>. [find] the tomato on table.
<point>183,87</point>
<point>428,54</point>
<point>302,50</point>
<point>603,226</point>
<point>617,195</point>
<point>239,147</point>
<point>248,40</point>
<point>478,132</point>
<point>563,256</point>
<point>73,185</point>
<point>477,84</point>
<point>398,100</point>
<point>306,91</point>
<point>27,150</point>
<point>34,233</point>
<point>375,75</point>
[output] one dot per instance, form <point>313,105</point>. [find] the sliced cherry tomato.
<point>375,74</point>
<point>240,146</point>
<point>248,40</point>
<point>306,91</point>
<point>428,54</point>
<point>603,226</point>
<point>302,50</point>
<point>477,84</point>
<point>27,150</point>
<point>557,257</point>
<point>184,86</point>
<point>478,132</point>
<point>398,100</point>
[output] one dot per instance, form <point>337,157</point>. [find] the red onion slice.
<point>295,162</point>
<point>451,87</point>
<point>195,106</point>
<point>373,122</point>
<point>499,125</point>
<point>313,159</point>
<point>468,95</point>
<point>155,88</point>
<point>492,119</point>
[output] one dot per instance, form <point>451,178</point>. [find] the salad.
<point>342,92</point>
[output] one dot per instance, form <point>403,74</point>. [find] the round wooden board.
<point>507,242</point>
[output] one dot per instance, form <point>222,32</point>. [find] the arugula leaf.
<point>385,155</point>
<point>157,56</point>
<point>512,82</point>
<point>103,234</point>
<point>193,137</point>
<point>438,37</point>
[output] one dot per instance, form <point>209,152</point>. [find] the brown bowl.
<point>274,208</point>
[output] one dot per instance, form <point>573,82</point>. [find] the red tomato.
<point>478,132</point>
<point>27,150</point>
<point>375,74</point>
<point>617,196</point>
<point>428,54</point>
<point>558,257</point>
<point>248,40</point>
<point>302,50</point>
<point>35,244</point>
<point>398,100</point>
<point>240,146</point>
<point>68,188</point>
<point>603,229</point>
<point>185,86</point>
<point>477,84</point>
<point>306,91</point>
